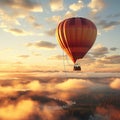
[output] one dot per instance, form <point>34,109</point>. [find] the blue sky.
<point>28,40</point>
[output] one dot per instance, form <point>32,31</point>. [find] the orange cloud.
<point>71,84</point>
<point>115,84</point>
<point>20,111</point>
<point>34,85</point>
<point>109,113</point>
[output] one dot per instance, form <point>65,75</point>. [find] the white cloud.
<point>69,14</point>
<point>54,19</point>
<point>76,6</point>
<point>17,10</point>
<point>56,5</point>
<point>96,5</point>
<point>7,20</point>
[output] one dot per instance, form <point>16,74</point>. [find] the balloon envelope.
<point>76,36</point>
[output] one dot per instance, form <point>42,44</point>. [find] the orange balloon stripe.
<point>61,38</point>
<point>67,35</point>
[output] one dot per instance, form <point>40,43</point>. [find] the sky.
<point>28,41</point>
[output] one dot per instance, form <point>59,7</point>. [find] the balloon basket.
<point>77,68</point>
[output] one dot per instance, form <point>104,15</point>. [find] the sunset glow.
<point>28,34</point>
<point>37,80</point>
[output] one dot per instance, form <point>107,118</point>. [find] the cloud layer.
<point>31,96</point>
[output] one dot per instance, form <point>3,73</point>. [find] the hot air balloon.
<point>76,36</point>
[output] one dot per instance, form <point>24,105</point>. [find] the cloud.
<point>28,5</point>
<point>70,14</point>
<point>108,25</point>
<point>115,84</point>
<point>73,84</point>
<point>18,32</point>
<point>76,6</point>
<point>54,19</point>
<point>17,111</point>
<point>113,59</point>
<point>7,20</point>
<point>51,32</point>
<point>56,5</point>
<point>24,56</point>
<point>32,21</point>
<point>41,44</point>
<point>99,51</point>
<point>37,25</point>
<point>15,11</point>
<point>87,59</point>
<point>107,113</point>
<point>101,62</point>
<point>57,57</point>
<point>113,49</point>
<point>34,86</point>
<point>47,92</point>
<point>96,5</point>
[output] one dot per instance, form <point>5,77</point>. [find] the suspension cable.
<point>64,66</point>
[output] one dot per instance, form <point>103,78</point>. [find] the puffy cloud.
<point>46,93</point>
<point>8,20</point>
<point>99,51</point>
<point>21,110</point>
<point>42,44</point>
<point>56,5</point>
<point>96,5</point>
<point>115,84</point>
<point>15,11</point>
<point>7,89</point>
<point>16,86</point>
<point>73,84</point>
<point>76,6</point>
<point>34,86</point>
<point>70,14</point>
